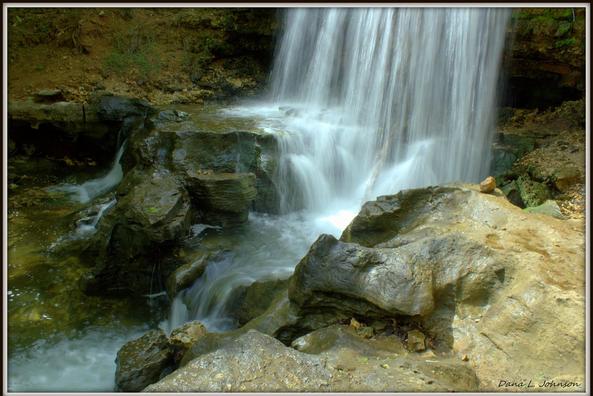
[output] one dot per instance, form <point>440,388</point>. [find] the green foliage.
<point>133,50</point>
<point>568,42</point>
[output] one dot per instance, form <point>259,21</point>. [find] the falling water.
<point>364,102</point>
<point>384,99</point>
<point>93,188</point>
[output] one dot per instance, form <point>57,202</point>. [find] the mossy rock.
<point>532,193</point>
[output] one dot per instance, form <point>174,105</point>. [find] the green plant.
<point>133,50</point>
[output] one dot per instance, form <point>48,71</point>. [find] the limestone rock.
<point>488,185</point>
<point>182,338</point>
<point>254,362</point>
<point>224,197</point>
<point>499,285</point>
<point>141,361</point>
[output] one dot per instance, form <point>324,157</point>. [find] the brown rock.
<point>488,185</point>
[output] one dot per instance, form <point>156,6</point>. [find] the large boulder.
<point>489,282</point>
<point>140,362</point>
<point>405,280</point>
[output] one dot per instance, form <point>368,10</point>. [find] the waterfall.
<point>363,102</point>
<point>383,99</point>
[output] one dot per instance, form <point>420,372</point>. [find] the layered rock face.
<point>452,289</point>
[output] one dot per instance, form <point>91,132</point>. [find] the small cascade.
<point>93,188</point>
<point>88,224</point>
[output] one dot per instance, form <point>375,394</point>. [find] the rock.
<point>448,255</point>
<point>365,332</point>
<point>118,108</point>
<point>511,190</point>
<point>152,214</point>
<point>566,176</point>
<point>224,198</point>
<point>373,282</point>
<point>254,362</point>
<point>172,115</point>
<point>548,208</point>
<point>141,361</point>
<point>186,275</point>
<point>253,300</point>
<point>237,366</point>
<point>488,185</point>
<point>416,341</point>
<point>49,96</point>
<point>380,220</point>
<point>182,338</point>
<point>532,193</point>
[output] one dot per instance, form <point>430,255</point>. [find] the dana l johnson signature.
<point>530,383</point>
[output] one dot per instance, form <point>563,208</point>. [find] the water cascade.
<point>385,99</point>
<point>363,102</point>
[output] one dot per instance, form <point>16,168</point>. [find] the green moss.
<point>568,42</point>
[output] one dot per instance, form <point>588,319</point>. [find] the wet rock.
<point>186,275</point>
<point>182,338</point>
<point>153,213</point>
<point>416,341</point>
<point>488,185</point>
<point>172,115</point>
<point>224,198</point>
<point>141,361</point>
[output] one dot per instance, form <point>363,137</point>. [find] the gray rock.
<point>153,213</point>
<point>224,198</point>
<point>254,362</point>
<point>402,280</point>
<point>186,275</point>
<point>141,361</point>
